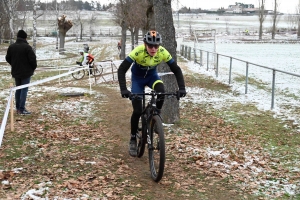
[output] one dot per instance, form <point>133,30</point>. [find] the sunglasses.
<point>155,46</point>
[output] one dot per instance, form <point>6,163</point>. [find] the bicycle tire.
<point>141,138</point>
<point>78,75</point>
<point>156,148</point>
<point>98,70</point>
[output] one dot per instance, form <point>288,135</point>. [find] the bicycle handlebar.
<point>153,93</point>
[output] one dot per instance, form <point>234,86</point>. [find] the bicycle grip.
<point>178,95</point>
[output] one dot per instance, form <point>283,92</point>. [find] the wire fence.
<point>212,60</point>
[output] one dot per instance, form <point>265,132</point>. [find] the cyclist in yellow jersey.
<point>145,59</point>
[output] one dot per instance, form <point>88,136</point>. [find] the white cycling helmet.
<point>81,51</point>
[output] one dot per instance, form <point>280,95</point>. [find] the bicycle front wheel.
<point>78,75</point>
<point>98,69</point>
<point>141,137</point>
<point>156,148</point>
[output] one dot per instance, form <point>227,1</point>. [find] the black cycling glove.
<point>125,93</point>
<point>181,93</point>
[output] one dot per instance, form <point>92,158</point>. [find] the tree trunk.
<point>150,16</point>
<point>274,20</point>
<point>136,36</point>
<point>81,30</point>
<point>260,31</point>
<point>123,41</point>
<point>261,17</point>
<point>298,32</point>
<point>34,28</point>
<point>63,27</point>
<point>62,36</point>
<point>132,39</point>
<point>11,31</point>
<point>164,25</point>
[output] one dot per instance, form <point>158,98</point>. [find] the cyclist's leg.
<point>91,67</point>
<point>159,87</point>
<point>137,86</point>
<point>157,84</point>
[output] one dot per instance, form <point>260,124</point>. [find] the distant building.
<point>240,8</point>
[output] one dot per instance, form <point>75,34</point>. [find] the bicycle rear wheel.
<point>78,75</point>
<point>141,137</point>
<point>156,148</point>
<point>98,69</point>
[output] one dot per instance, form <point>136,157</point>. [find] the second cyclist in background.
<point>86,59</point>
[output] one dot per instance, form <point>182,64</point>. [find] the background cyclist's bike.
<point>151,133</point>
<point>97,71</point>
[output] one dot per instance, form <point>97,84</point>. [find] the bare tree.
<point>92,21</point>
<point>292,21</point>
<point>9,8</point>
<point>121,15</point>
<point>3,23</point>
<point>136,19</point>
<point>165,26</point>
<point>298,14</point>
<point>261,16</point>
<point>275,18</point>
<point>80,22</point>
<point>63,27</point>
<point>227,20</point>
<point>35,17</point>
<point>57,7</point>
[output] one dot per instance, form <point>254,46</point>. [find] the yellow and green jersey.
<point>144,64</point>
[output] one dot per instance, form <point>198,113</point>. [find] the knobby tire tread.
<point>78,75</point>
<point>156,174</point>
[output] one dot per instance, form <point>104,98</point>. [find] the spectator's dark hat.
<point>22,34</point>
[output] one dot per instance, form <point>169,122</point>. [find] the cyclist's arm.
<point>91,58</point>
<point>178,73</point>
<point>81,59</point>
<point>125,65</point>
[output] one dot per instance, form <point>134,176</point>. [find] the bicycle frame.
<point>97,71</point>
<point>152,134</point>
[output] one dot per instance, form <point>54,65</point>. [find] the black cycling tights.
<point>138,107</point>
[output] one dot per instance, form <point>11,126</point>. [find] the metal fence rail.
<point>198,57</point>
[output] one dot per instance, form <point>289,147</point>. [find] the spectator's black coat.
<point>22,59</point>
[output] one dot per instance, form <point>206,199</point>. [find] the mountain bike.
<point>96,71</point>
<point>151,132</point>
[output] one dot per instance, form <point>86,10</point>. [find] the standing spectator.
<point>22,59</point>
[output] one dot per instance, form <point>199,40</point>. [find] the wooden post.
<point>12,111</point>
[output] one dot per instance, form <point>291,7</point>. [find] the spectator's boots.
<point>24,112</point>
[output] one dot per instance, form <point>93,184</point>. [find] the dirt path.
<point>117,118</point>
